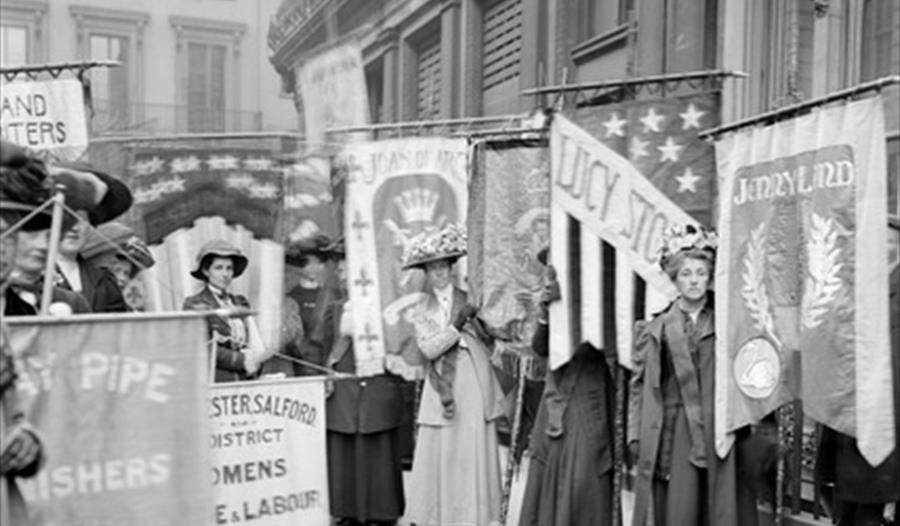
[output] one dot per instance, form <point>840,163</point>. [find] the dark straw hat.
<point>223,249</point>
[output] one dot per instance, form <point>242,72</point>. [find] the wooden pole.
<point>59,199</point>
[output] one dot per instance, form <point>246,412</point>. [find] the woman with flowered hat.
<point>456,470</point>
<point>239,352</point>
<point>680,480</point>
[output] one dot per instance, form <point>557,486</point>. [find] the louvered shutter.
<point>428,79</point>
<point>502,47</point>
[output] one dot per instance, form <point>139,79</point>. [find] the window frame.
<point>190,30</point>
<point>29,14</point>
<point>116,23</point>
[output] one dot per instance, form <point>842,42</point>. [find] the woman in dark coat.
<point>218,263</point>
<point>680,480</point>
<point>365,475</point>
<point>570,477</point>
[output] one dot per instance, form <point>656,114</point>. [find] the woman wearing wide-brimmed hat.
<point>680,479</point>
<point>115,247</point>
<point>239,352</point>
<point>456,469</point>
<point>305,303</point>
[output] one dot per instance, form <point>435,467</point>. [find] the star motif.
<point>615,125</point>
<point>258,164</point>
<point>263,191</point>
<point>240,182</point>
<point>691,117</point>
<point>669,150</point>
<point>222,162</point>
<point>185,164</point>
<point>148,167</point>
<point>651,120</point>
<point>638,148</point>
<point>688,181</point>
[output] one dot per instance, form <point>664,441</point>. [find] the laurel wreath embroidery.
<point>822,281</point>
<point>756,298</point>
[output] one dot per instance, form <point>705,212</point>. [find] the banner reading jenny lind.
<point>395,189</point>
<point>121,406</point>
<point>801,279</point>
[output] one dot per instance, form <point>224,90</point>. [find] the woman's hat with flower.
<point>433,245</point>
<point>687,238</point>
<point>223,249</point>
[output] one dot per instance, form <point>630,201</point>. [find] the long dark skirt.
<point>365,479</point>
<point>564,488</point>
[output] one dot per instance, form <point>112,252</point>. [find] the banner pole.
<point>513,441</point>
<point>59,199</point>
<point>779,476</point>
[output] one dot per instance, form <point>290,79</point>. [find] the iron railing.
<point>151,119</point>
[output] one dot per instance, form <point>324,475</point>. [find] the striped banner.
<point>604,215</point>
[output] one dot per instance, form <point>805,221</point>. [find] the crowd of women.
<point>455,476</point>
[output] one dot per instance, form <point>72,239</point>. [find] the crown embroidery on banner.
<point>417,205</point>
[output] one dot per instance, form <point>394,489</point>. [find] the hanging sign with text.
<point>117,403</point>
<point>46,115</point>
<point>268,448</point>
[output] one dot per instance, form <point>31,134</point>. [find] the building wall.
<point>157,80</point>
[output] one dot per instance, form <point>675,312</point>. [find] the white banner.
<point>45,115</point>
<point>269,455</point>
<point>333,88</point>
<point>396,189</point>
<point>608,197</point>
<point>802,276</point>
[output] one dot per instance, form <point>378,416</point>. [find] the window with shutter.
<point>502,41</point>
<point>206,87</point>
<point>428,79</point>
<point>13,45</point>
<point>879,40</point>
<point>109,86</point>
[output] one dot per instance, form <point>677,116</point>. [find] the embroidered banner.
<point>333,88</point>
<point>509,223</point>
<point>394,190</point>
<point>599,196</point>
<point>802,275</point>
<point>173,188</point>
<point>268,453</point>
<point>120,406</point>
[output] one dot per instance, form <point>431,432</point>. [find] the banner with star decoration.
<point>601,203</point>
<point>396,189</point>
<point>659,137</point>
<point>802,275</point>
<point>172,188</point>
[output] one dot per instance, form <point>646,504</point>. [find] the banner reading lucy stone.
<point>396,189</point>
<point>121,406</point>
<point>269,462</point>
<point>802,275</point>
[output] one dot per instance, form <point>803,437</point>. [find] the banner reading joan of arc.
<point>121,406</point>
<point>269,461</point>
<point>172,188</point>
<point>45,116</point>
<point>597,195</point>
<point>396,189</point>
<point>802,275</point>
<point>509,223</point>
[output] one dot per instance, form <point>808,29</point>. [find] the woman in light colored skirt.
<point>455,478</point>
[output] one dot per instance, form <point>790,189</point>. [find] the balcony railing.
<point>291,16</point>
<point>151,119</point>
